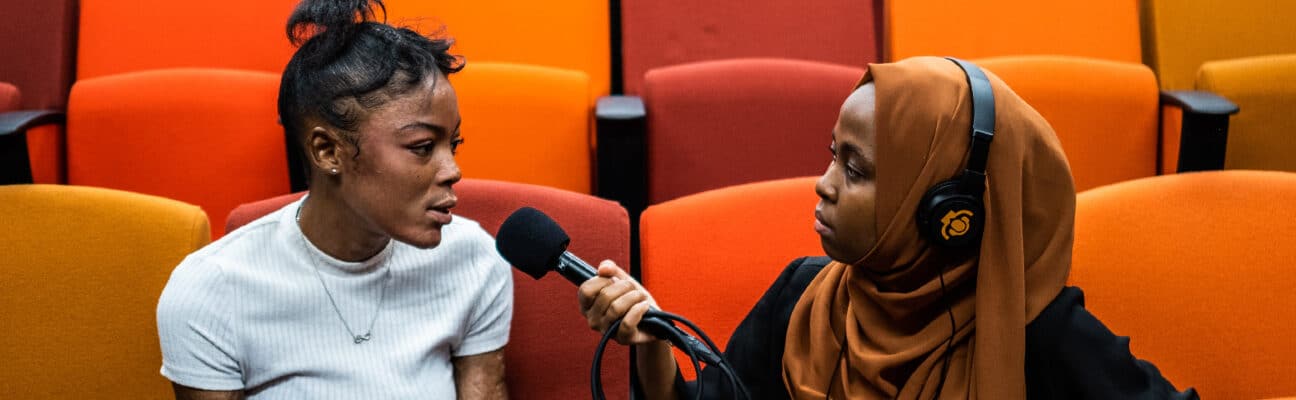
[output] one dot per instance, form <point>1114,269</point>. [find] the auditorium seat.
<point>549,334</point>
<point>567,34</point>
<point>203,136</point>
<point>1180,35</point>
<point>83,271</point>
<point>1102,29</point>
<point>1263,133</point>
<point>727,245</point>
<point>1107,114</point>
<point>127,36</point>
<point>1195,269</point>
<point>713,124</point>
<point>10,97</point>
<point>38,48</point>
<point>663,33</point>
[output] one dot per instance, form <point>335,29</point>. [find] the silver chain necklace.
<point>382,294</point>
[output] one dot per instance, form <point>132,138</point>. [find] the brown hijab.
<point>886,308</point>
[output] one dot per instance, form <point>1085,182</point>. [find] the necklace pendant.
<point>361,339</point>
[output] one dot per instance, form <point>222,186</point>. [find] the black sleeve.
<point>1072,355</point>
<point>755,351</point>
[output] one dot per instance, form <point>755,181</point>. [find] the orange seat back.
<point>119,36</point>
<point>1104,112</point>
<point>1180,35</point>
<point>548,333</point>
<point>81,275</point>
<point>1104,29</point>
<point>568,34</point>
<point>1262,135</point>
<point>524,123</point>
<point>206,137</point>
<point>1196,270</point>
<point>711,255</point>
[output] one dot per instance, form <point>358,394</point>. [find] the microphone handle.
<point>578,271</point>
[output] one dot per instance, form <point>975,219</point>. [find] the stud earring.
<point>333,171</point>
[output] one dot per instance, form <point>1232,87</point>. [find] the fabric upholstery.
<point>1262,135</point>
<point>1180,35</point>
<point>124,36</point>
<point>82,274</point>
<point>38,47</point>
<point>720,123</point>
<point>569,34</point>
<point>10,97</point>
<point>710,256</point>
<point>549,334</point>
<point>660,33</point>
<point>207,137</point>
<point>525,123</point>
<point>1104,29</point>
<point>1191,267</point>
<point>1104,112</point>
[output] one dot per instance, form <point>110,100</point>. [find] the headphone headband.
<point>983,126</point>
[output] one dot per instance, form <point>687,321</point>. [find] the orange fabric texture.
<point>1196,268</point>
<point>1262,135</point>
<point>1180,35</point>
<point>83,271</point>
<point>660,33</point>
<point>526,124</point>
<point>720,123</point>
<point>570,34</point>
<point>727,245</point>
<point>45,150</point>
<point>1171,129</point>
<point>548,335</point>
<point>1104,112</point>
<point>1104,29</point>
<point>207,137</point>
<point>124,36</point>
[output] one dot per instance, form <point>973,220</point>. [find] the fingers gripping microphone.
<point>535,244</point>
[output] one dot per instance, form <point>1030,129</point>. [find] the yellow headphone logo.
<point>956,223</point>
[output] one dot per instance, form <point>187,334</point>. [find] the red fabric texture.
<point>39,41</point>
<point>711,255</point>
<point>205,137</point>
<point>720,123</point>
<point>549,334</point>
<point>1196,270</point>
<point>660,33</point>
<point>124,36</point>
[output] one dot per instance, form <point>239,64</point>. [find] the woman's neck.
<point>336,230</point>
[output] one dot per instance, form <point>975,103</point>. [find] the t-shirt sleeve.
<point>198,346</point>
<point>488,326</point>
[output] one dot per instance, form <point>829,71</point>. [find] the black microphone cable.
<point>692,347</point>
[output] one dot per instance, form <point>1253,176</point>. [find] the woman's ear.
<point>324,147</point>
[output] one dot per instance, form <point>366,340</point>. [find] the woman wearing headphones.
<point>947,260</point>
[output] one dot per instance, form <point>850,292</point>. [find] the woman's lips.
<point>820,226</point>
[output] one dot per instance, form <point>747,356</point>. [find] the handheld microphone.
<point>535,244</point>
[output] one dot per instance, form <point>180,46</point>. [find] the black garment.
<point>1069,353</point>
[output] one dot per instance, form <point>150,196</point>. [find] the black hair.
<point>347,64</point>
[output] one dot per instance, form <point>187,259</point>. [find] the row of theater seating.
<point>1189,265</point>
<point>177,98</point>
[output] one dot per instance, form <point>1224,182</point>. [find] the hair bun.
<point>336,19</point>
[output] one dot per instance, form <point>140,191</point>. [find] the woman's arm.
<point>480,376</point>
<point>188,393</point>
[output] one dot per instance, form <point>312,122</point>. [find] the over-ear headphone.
<point>952,213</point>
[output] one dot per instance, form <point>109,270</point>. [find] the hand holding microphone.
<point>613,295</point>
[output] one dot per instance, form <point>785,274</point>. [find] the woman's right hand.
<point>614,295</point>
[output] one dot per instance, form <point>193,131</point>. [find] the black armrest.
<point>622,159</point>
<point>1203,138</point>
<point>15,163</point>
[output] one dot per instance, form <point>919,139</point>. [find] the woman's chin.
<point>422,240</point>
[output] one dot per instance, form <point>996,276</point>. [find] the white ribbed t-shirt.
<point>248,312</point>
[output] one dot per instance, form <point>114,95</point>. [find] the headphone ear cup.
<point>949,218</point>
